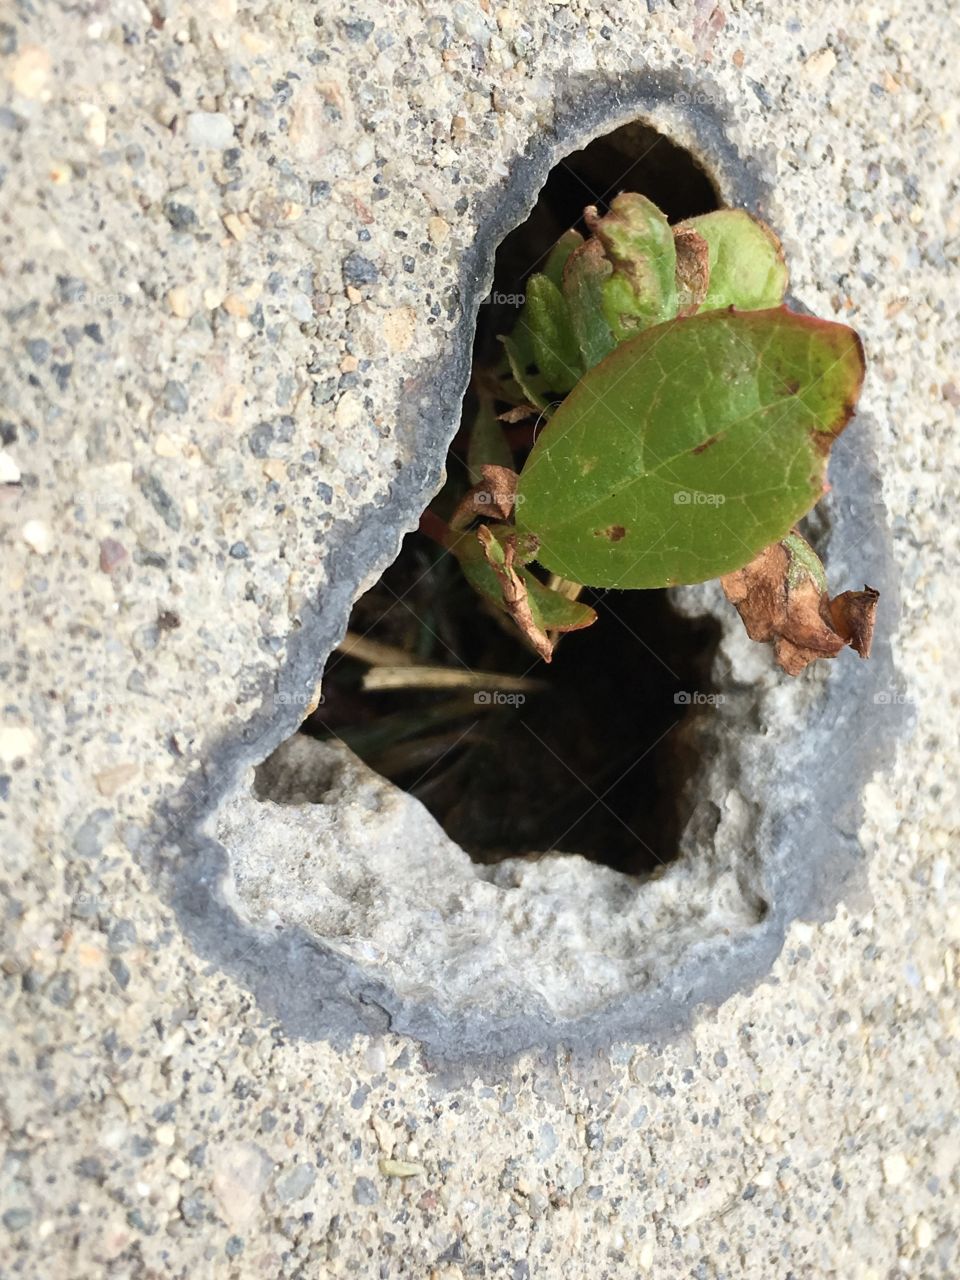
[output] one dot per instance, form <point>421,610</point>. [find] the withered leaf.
<point>519,413</point>
<point>782,596</point>
<point>494,496</point>
<point>500,556</point>
<point>854,615</point>
<point>693,269</point>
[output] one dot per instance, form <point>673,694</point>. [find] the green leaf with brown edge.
<point>638,242</point>
<point>746,266</point>
<point>549,611</point>
<point>690,448</point>
<point>584,276</point>
<point>553,611</point>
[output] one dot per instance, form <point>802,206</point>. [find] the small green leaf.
<point>549,610</point>
<point>547,321</point>
<point>583,279</point>
<point>476,567</point>
<point>747,269</point>
<point>690,448</point>
<point>557,258</point>
<point>554,612</point>
<point>803,563</point>
<point>638,241</point>
<point>520,358</point>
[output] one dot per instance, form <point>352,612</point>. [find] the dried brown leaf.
<point>854,615</point>
<point>519,413</point>
<point>501,557</point>
<point>782,597</point>
<point>494,496</point>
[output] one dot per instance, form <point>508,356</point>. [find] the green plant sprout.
<point>673,420</point>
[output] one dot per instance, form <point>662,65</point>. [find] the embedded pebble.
<point>38,536</point>
<point>209,129</point>
<point>112,554</point>
<point>30,72</point>
<point>895,1169</point>
<point>365,1192</point>
<point>16,742</point>
<point>295,1184</point>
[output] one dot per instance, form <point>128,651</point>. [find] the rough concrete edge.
<point>312,990</point>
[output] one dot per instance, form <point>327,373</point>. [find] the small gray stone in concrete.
<point>175,397</point>
<point>88,841</point>
<point>295,1184</point>
<point>358,270</point>
<point>122,936</point>
<point>180,216</point>
<point>364,1192</point>
<point>159,499</point>
<point>209,129</point>
<point>260,439</point>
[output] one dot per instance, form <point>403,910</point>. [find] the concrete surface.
<point>208,317</point>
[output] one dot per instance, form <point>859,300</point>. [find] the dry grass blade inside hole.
<point>422,677</point>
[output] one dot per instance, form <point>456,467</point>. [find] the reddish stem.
<point>435,528</point>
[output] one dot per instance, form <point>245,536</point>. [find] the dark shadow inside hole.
<point>589,760</point>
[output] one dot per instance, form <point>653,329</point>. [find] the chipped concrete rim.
<point>312,990</point>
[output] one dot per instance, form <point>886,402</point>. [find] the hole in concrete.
<point>335,897</point>
<point>585,763</point>
<point>581,759</point>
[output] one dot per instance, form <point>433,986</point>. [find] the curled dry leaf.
<point>782,596</point>
<point>501,558</point>
<point>854,614</point>
<point>519,413</point>
<point>495,496</point>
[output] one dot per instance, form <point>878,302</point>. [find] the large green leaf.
<point>747,269</point>
<point>689,448</point>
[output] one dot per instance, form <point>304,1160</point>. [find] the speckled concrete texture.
<point>230,236</point>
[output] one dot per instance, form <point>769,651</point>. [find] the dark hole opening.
<point>584,756</point>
